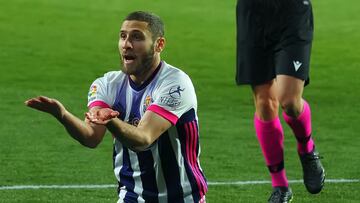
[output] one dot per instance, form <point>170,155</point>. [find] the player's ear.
<point>159,44</point>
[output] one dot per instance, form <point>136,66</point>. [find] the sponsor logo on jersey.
<point>170,101</point>
<point>135,121</point>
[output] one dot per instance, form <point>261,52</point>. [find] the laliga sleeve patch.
<point>175,91</point>
<point>92,93</point>
<point>173,98</point>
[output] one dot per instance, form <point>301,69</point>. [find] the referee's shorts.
<point>274,37</point>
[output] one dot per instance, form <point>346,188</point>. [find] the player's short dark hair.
<point>155,24</point>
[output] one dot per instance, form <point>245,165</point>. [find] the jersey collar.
<point>142,86</point>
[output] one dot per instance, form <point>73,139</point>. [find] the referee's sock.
<point>301,127</point>
<point>271,136</point>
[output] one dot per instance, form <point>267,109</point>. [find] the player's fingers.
<point>88,115</point>
<point>44,99</point>
<point>108,117</point>
<point>114,114</point>
<point>32,99</point>
<point>32,102</point>
<point>100,122</point>
<point>107,114</point>
<point>36,105</point>
<point>96,113</point>
<point>97,121</point>
<point>91,116</point>
<point>28,102</point>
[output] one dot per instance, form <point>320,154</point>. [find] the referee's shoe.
<point>281,195</point>
<point>313,171</point>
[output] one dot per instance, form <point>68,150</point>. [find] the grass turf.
<point>57,48</point>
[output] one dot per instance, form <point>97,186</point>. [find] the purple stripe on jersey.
<point>98,103</point>
<point>131,197</point>
<point>163,113</point>
<point>197,152</point>
<point>194,186</point>
<point>191,154</point>
<point>195,135</point>
<point>170,169</point>
<point>120,100</point>
<point>136,102</point>
<point>188,135</point>
<point>126,178</point>
<point>148,177</point>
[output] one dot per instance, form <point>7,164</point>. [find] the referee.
<point>274,40</point>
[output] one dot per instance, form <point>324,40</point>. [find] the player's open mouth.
<point>128,58</point>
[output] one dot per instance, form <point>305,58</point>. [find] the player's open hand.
<point>101,115</point>
<point>48,105</point>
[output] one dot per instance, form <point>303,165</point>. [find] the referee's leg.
<point>297,114</point>
<point>269,131</point>
<point>289,91</point>
<point>296,111</point>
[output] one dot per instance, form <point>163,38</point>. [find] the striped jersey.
<point>168,170</point>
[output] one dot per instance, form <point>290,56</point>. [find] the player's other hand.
<point>48,105</point>
<point>101,115</point>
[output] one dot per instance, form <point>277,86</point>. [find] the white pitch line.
<point>256,182</point>
<point>26,187</point>
<point>260,182</point>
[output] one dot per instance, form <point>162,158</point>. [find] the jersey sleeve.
<point>100,93</point>
<point>174,97</point>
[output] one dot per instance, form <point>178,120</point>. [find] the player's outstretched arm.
<point>137,138</point>
<point>87,133</point>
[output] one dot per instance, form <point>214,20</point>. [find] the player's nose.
<point>126,44</point>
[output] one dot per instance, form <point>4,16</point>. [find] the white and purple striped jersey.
<point>169,170</point>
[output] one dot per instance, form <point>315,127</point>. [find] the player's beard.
<point>141,66</point>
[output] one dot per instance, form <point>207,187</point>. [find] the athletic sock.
<point>301,127</point>
<point>271,136</point>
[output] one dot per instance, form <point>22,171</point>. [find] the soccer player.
<point>274,40</point>
<point>150,108</point>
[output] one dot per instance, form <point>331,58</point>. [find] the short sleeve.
<point>102,91</point>
<point>174,97</point>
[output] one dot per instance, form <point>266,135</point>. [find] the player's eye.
<point>137,36</point>
<point>122,36</point>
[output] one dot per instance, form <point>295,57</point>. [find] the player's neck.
<point>140,79</point>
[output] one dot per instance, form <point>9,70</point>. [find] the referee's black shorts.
<point>273,38</point>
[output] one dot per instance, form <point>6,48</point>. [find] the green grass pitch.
<point>57,48</point>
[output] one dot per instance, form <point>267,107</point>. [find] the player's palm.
<point>101,116</point>
<point>48,105</point>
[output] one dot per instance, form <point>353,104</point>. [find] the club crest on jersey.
<point>175,91</point>
<point>147,102</point>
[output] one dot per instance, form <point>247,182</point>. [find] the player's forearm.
<point>79,130</point>
<point>129,135</point>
